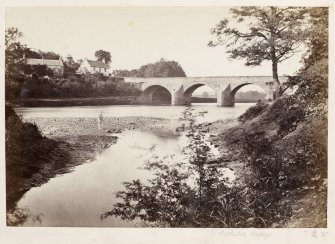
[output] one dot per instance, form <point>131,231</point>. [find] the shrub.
<point>253,112</point>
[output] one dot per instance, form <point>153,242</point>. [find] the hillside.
<point>280,156</point>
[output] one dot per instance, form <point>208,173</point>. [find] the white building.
<point>56,65</point>
<point>92,66</point>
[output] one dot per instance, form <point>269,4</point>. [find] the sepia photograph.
<point>166,116</point>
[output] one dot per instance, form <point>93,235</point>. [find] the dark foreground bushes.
<point>253,112</point>
<point>286,151</point>
<point>74,86</point>
<point>26,148</point>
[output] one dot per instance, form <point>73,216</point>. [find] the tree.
<point>262,33</point>
<point>14,52</point>
<point>162,68</point>
<point>48,55</point>
<point>70,66</point>
<point>125,73</point>
<point>103,56</point>
<point>312,79</point>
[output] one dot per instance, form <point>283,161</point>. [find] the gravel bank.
<point>80,126</point>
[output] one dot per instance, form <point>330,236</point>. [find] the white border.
<point>168,235</point>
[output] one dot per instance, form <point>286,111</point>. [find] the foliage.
<point>249,96</point>
<point>126,73</point>
<point>312,79</point>
<point>70,66</point>
<point>37,71</point>
<point>162,68</point>
<point>280,168</point>
<point>253,111</point>
<point>274,33</point>
<point>103,56</point>
<point>95,85</point>
<point>25,149</point>
<point>13,53</point>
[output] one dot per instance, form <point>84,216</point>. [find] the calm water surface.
<point>80,197</point>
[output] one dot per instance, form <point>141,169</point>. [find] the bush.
<point>80,86</point>
<point>25,149</point>
<point>253,112</point>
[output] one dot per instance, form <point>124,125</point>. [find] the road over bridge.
<point>180,89</point>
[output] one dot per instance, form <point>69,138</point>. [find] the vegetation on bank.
<point>75,86</point>
<point>26,149</point>
<point>33,159</point>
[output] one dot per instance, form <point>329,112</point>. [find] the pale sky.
<point>136,36</point>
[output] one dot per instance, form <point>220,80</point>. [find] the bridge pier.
<point>177,96</point>
<point>225,98</point>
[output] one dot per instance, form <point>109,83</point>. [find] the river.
<point>80,197</point>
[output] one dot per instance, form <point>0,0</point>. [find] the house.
<point>92,66</point>
<point>56,65</point>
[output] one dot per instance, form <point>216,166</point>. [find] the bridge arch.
<point>191,88</point>
<point>156,94</point>
<point>264,89</point>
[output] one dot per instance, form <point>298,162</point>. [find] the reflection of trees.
<point>161,96</point>
<point>249,96</point>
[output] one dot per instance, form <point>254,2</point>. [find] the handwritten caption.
<point>245,233</point>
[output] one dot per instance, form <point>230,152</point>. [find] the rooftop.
<point>48,62</point>
<point>97,64</point>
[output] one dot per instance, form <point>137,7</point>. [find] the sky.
<point>136,36</point>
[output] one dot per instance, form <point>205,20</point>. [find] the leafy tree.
<point>103,56</point>
<point>126,73</point>
<point>262,33</point>
<point>48,55</point>
<point>162,68</point>
<point>312,79</point>
<point>32,54</point>
<point>14,52</point>
<point>70,66</point>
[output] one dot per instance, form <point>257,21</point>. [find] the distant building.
<point>92,66</point>
<point>56,65</point>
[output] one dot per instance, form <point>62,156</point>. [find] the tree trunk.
<point>276,79</point>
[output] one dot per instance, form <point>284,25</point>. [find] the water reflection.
<point>78,199</point>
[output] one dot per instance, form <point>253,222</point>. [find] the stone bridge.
<point>180,89</point>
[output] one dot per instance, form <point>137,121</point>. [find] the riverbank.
<point>282,160</point>
<point>59,127</point>
<point>89,101</point>
<point>68,142</point>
